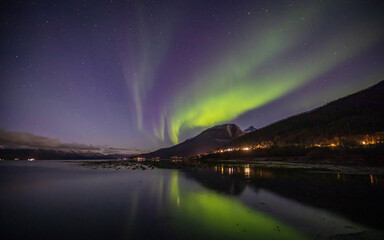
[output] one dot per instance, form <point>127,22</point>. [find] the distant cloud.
<point>10,139</point>
<point>111,150</point>
<point>23,139</point>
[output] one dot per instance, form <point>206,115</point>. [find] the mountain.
<point>49,154</point>
<point>361,113</point>
<point>55,154</point>
<point>24,153</point>
<point>250,129</point>
<point>208,140</point>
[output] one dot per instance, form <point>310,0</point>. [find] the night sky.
<point>147,74</point>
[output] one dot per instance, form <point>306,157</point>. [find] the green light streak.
<point>174,185</point>
<point>159,131</point>
<point>246,81</point>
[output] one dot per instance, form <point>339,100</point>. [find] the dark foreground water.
<point>62,200</point>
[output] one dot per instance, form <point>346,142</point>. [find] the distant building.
<point>140,159</point>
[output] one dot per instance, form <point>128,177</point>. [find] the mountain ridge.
<point>358,113</point>
<point>208,140</point>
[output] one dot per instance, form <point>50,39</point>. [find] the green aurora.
<point>266,61</point>
<point>245,79</point>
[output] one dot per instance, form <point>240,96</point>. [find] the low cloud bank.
<point>9,139</point>
<point>30,140</point>
<point>112,150</point>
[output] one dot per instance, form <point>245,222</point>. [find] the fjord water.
<point>63,200</point>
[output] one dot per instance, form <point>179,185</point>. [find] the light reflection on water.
<point>249,172</point>
<point>221,216</point>
<point>61,199</point>
<point>357,197</point>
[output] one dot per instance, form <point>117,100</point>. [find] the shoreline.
<point>321,167</point>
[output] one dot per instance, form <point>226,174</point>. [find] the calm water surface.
<point>62,200</point>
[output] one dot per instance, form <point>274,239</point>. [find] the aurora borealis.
<point>148,74</point>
